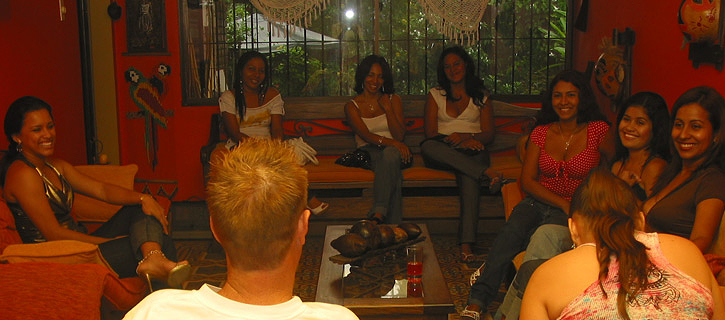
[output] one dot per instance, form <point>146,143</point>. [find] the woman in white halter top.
<point>376,117</point>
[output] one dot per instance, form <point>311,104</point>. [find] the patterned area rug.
<point>209,266</point>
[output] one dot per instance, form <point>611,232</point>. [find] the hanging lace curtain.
<point>456,19</point>
<point>292,12</point>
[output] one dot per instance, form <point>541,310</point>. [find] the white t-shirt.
<point>469,121</point>
<point>257,121</point>
<point>206,303</point>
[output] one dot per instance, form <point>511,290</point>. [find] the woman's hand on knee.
<point>153,208</point>
<point>405,153</point>
<point>471,144</point>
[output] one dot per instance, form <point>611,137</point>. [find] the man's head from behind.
<point>256,195</point>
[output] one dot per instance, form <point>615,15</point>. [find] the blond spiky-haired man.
<point>256,198</point>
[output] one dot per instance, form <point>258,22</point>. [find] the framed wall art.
<point>146,27</point>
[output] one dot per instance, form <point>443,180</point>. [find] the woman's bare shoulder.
<point>272,92</point>
<point>686,256</point>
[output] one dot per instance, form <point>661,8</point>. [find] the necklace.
<point>372,107</point>
<point>587,244</point>
<point>566,142</point>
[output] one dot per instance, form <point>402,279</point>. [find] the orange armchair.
<point>31,266</point>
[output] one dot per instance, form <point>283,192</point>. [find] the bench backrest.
<point>320,121</point>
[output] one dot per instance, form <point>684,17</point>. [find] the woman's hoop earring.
<point>19,147</point>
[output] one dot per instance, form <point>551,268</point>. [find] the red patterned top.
<point>563,177</point>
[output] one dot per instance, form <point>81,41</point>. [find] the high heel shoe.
<point>176,277</point>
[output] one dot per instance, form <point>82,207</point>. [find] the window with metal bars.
<point>522,44</point>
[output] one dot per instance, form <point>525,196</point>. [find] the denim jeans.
<point>468,170</point>
<point>388,183</point>
<point>528,215</point>
<point>124,253</point>
<point>548,241</point>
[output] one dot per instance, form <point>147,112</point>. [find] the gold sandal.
<point>176,277</point>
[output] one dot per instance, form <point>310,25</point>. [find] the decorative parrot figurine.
<point>146,94</point>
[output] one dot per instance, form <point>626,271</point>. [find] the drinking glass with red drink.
<point>415,271</point>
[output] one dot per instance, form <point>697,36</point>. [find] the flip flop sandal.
<point>470,314</point>
<point>320,209</point>
<point>476,274</point>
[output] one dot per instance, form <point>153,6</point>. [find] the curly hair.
<point>364,68</point>
<point>588,109</point>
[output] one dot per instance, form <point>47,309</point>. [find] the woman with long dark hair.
<point>569,140</point>
<point>376,116</point>
<point>688,199</point>
<point>618,272</point>
<point>458,125</point>
<point>642,142</point>
<point>254,108</point>
<point>642,147</point>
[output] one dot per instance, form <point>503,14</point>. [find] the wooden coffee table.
<point>436,302</point>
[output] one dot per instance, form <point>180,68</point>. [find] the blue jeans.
<point>123,254</point>
<point>548,241</point>
<point>468,170</point>
<point>528,215</point>
<point>388,183</point>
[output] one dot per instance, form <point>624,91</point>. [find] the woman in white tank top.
<point>458,125</point>
<point>376,117</point>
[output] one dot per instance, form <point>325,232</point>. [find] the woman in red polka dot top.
<point>570,139</point>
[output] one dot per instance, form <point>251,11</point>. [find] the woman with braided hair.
<point>618,272</point>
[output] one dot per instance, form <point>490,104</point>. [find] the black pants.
<point>123,254</point>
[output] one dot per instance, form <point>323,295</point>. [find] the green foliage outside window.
<point>522,45</point>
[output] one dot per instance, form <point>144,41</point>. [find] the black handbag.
<point>357,158</point>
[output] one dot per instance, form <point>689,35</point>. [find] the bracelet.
<point>380,141</point>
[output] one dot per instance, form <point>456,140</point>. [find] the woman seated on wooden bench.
<point>458,124</point>
<point>569,140</point>
<point>254,108</point>
<point>39,192</point>
<point>376,118</point>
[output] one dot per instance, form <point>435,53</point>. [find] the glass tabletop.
<point>383,276</point>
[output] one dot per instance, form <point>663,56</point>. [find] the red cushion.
<point>42,290</point>
<point>8,234</point>
<point>125,293</point>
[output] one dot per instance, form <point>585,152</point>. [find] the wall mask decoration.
<point>612,71</point>
<point>147,95</point>
<point>701,22</point>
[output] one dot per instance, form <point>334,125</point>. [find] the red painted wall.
<point>660,64</point>
<point>41,57</point>
<point>187,129</point>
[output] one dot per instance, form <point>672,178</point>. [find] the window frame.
<point>188,101</point>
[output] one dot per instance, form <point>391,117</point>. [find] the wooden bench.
<point>428,193</point>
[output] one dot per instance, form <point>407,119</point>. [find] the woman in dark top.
<point>689,198</point>
<point>642,143</point>
<point>133,241</point>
